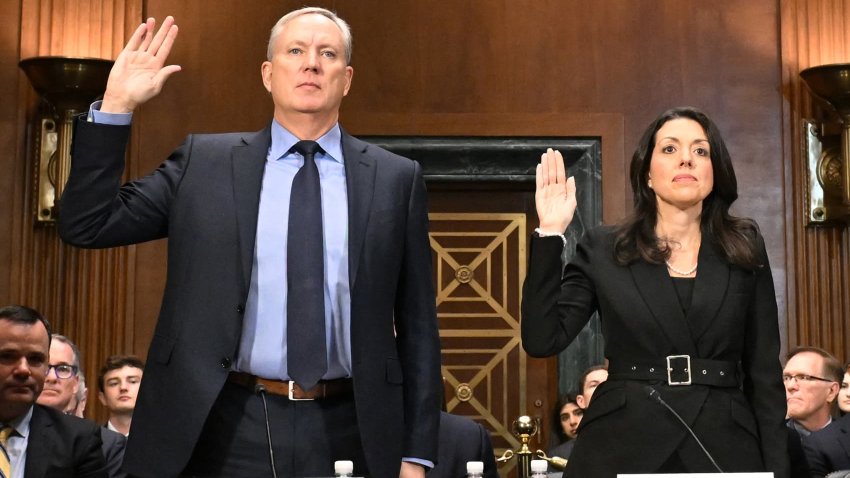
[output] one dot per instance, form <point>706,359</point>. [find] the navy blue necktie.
<point>305,261</point>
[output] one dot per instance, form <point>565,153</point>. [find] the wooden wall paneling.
<point>814,32</point>
<point>83,293</point>
<point>12,129</point>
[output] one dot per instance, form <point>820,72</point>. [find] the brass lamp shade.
<point>68,85</point>
<point>831,83</point>
<point>828,157</point>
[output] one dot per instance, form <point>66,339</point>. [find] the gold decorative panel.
<point>479,264</point>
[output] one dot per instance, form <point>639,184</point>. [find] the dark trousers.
<point>306,436</point>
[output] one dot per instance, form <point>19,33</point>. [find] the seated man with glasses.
<point>64,384</point>
<point>811,378</point>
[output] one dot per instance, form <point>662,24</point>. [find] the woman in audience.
<point>567,417</point>
<point>686,299</point>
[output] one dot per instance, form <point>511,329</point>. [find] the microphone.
<point>654,395</point>
<point>260,390</point>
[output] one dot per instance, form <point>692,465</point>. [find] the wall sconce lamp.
<point>68,86</point>
<point>827,152</point>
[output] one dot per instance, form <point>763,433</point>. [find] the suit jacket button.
<point>225,362</point>
<point>240,308</point>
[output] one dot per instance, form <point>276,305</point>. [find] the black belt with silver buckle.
<point>677,370</point>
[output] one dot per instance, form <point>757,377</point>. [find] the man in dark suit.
<point>811,377</point>
<point>463,440</point>
<point>63,386</point>
<point>221,348</point>
<point>43,441</point>
<point>828,450</point>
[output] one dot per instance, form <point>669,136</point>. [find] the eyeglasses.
<point>62,371</point>
<point>804,378</point>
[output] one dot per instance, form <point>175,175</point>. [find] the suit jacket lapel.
<point>360,170</point>
<point>39,444</point>
<point>709,289</point>
<point>248,162</point>
<point>843,433</point>
<point>654,284</point>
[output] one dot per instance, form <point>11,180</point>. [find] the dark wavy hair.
<point>115,362</point>
<point>557,428</point>
<point>635,236</point>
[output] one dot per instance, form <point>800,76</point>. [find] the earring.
<point>649,183</point>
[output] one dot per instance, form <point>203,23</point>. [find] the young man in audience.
<point>38,441</point>
<point>64,387</point>
<point>590,379</point>
<point>811,378</point>
<point>118,385</point>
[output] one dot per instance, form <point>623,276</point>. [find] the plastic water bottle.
<point>474,469</point>
<point>343,468</point>
<point>538,468</point>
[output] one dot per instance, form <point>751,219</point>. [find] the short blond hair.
<point>343,28</point>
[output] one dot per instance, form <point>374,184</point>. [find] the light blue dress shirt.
<point>16,445</point>
<point>262,349</point>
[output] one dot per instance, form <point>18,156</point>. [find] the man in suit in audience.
<point>117,389</point>
<point>39,440</point>
<point>230,341</point>
<point>590,379</point>
<point>461,440</point>
<point>828,450</point>
<point>812,376</point>
<point>62,387</point>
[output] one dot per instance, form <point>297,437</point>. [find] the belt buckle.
<point>670,380</point>
<point>292,396</point>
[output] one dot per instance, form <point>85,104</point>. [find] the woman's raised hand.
<point>555,196</point>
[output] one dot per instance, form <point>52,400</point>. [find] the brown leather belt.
<point>339,387</point>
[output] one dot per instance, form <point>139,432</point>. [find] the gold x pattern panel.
<point>479,264</point>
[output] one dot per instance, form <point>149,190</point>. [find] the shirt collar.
<point>805,431</point>
<point>22,423</point>
<point>283,140</point>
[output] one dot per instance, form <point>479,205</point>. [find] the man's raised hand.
<point>139,72</point>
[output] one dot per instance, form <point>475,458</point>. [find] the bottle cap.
<point>539,466</point>
<point>343,467</point>
<point>474,467</point>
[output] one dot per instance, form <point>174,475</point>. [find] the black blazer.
<point>732,318</point>
<point>60,446</point>
<point>463,440</point>
<point>828,449</point>
<point>205,199</point>
<point>113,451</point>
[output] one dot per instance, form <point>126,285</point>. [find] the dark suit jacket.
<point>828,449</point>
<point>205,199</point>
<point>463,440</point>
<point>63,446</point>
<point>732,317</point>
<point>796,454</point>
<point>113,451</point>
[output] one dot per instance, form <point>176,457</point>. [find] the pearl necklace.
<point>682,273</point>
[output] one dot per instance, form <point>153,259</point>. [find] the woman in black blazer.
<point>686,299</point>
